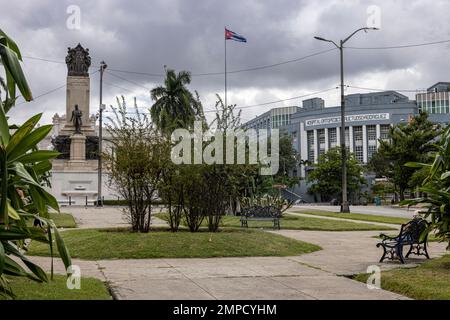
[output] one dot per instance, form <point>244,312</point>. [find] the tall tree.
<point>175,106</point>
<point>326,177</point>
<point>409,142</point>
<point>135,159</point>
<point>288,158</point>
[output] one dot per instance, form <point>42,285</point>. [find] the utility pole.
<point>103,66</point>
<point>345,207</point>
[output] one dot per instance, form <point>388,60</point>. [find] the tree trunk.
<point>402,194</point>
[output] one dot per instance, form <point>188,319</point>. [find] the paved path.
<point>349,253</point>
<point>373,210</point>
<point>310,276</point>
<point>106,217</point>
<point>269,278</point>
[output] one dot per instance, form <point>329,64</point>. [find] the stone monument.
<point>78,90</point>
<point>75,172</point>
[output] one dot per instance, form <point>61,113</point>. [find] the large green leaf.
<point>49,199</point>
<point>417,165</point>
<point>16,233</point>
<point>37,200</point>
<point>445,175</point>
<point>37,271</point>
<point>5,288</point>
<point>13,268</point>
<point>23,131</point>
<point>10,43</point>
<point>24,174</point>
<point>11,63</point>
<point>12,212</point>
<point>2,258</point>
<point>4,128</point>
<point>38,156</point>
<point>11,90</point>
<point>28,142</point>
<point>42,167</point>
<point>62,249</point>
<point>3,186</point>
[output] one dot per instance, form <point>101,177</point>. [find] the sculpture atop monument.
<point>78,61</point>
<point>76,119</point>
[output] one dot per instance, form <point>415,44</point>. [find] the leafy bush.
<point>123,203</point>
<point>135,161</point>
<point>24,174</point>
<point>436,188</point>
<point>267,201</point>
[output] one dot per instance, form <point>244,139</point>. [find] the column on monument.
<point>316,147</point>
<point>77,147</point>
<point>327,141</point>
<point>78,93</point>
<point>350,137</point>
<point>378,135</point>
<point>338,136</point>
<point>365,151</point>
<point>303,147</point>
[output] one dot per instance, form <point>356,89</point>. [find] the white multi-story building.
<point>315,129</point>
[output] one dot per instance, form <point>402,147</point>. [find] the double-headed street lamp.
<point>103,66</point>
<point>345,208</point>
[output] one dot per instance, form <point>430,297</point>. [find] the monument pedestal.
<point>75,176</point>
<point>77,147</point>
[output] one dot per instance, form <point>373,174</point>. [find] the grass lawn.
<point>93,244</point>
<point>63,220</point>
<point>429,281</point>
<point>301,223</point>
<point>357,216</point>
<point>26,289</point>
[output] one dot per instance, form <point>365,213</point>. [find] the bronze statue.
<point>76,119</point>
<point>78,61</point>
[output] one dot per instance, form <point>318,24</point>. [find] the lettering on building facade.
<point>348,119</point>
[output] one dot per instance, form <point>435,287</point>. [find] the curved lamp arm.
<point>361,29</point>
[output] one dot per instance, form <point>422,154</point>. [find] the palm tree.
<point>175,106</point>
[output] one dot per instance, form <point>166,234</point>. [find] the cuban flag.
<point>230,35</point>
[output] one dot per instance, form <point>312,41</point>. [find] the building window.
<point>358,143</point>
<point>310,138</point>
<point>332,137</point>
<point>371,141</point>
<point>372,133</point>
<point>371,150</point>
<point>384,131</point>
<point>347,139</point>
<point>433,102</point>
<point>321,139</point>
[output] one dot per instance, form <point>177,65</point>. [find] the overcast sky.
<point>145,35</point>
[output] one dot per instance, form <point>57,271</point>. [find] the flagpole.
<point>225,37</point>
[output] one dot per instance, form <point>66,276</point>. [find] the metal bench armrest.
<point>386,237</point>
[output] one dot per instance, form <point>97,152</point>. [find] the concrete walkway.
<point>254,278</point>
<point>310,276</point>
<point>106,217</point>
<point>349,253</point>
<point>373,210</point>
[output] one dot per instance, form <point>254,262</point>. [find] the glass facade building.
<point>435,100</point>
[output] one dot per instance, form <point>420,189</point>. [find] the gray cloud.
<point>144,36</point>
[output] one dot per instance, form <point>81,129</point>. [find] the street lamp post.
<point>100,136</point>
<point>345,208</point>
